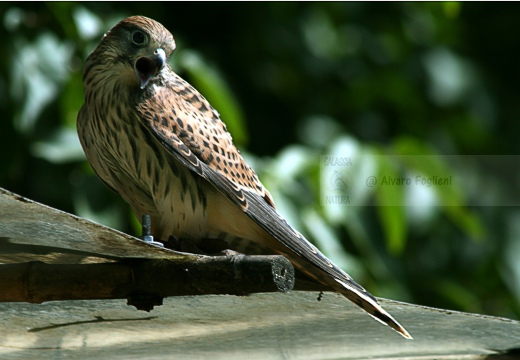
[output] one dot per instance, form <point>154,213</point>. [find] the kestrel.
<point>154,139</point>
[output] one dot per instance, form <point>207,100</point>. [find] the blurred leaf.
<point>364,165</point>
<point>13,18</point>
<point>392,218</point>
<point>422,159</point>
<point>281,176</point>
<point>468,221</point>
<point>327,241</point>
<point>451,8</point>
<point>111,215</point>
<point>290,163</point>
<point>321,36</point>
<point>72,99</point>
<point>87,23</point>
<point>458,294</point>
<point>39,69</point>
<point>62,147</point>
<point>318,130</point>
<point>451,77</point>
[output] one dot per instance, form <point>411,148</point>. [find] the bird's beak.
<point>147,67</point>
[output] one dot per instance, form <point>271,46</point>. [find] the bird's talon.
<point>147,231</point>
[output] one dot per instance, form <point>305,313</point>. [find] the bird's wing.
<point>192,132</point>
<point>194,128</point>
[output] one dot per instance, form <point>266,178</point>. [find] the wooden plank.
<point>261,326</point>
<point>33,231</point>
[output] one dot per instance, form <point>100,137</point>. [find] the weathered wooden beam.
<point>37,282</point>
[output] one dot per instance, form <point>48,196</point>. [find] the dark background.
<point>295,81</point>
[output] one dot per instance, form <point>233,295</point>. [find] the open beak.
<point>147,67</point>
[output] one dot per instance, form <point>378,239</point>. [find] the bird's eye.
<point>139,38</point>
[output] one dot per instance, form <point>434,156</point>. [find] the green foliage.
<point>401,89</point>
<point>393,218</point>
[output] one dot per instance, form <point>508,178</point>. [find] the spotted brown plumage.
<point>154,139</point>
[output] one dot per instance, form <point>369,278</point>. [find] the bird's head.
<point>137,49</point>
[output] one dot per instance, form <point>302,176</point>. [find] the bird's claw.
<point>147,231</point>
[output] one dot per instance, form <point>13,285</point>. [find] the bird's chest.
<point>151,180</point>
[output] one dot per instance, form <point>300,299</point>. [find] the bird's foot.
<point>147,231</point>
<point>228,252</point>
